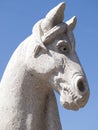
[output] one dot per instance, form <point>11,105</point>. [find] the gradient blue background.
<point>17,18</point>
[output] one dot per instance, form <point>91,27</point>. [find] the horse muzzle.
<point>75,95</point>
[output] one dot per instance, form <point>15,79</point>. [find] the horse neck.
<point>30,97</point>
<point>27,97</point>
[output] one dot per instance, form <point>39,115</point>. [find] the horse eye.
<point>63,49</point>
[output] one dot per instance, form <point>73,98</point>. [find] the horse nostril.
<point>81,85</point>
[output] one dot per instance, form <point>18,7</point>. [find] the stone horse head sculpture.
<point>44,62</point>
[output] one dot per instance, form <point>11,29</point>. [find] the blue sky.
<point>17,18</point>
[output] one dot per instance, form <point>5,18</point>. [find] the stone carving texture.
<point>44,62</point>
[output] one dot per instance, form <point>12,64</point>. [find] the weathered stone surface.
<point>44,62</point>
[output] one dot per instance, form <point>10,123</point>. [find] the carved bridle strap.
<point>47,37</point>
<point>53,33</point>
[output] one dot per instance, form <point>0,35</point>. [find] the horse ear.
<point>53,17</point>
<point>72,22</point>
